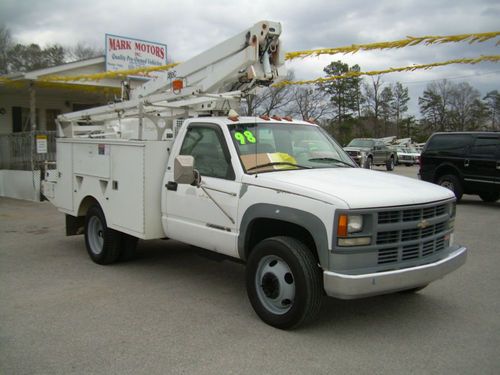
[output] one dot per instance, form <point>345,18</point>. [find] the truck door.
<point>204,218</point>
<point>378,153</point>
<point>482,165</point>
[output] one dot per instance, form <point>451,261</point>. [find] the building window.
<point>21,119</point>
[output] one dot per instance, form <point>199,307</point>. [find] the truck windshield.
<point>360,143</point>
<point>267,147</point>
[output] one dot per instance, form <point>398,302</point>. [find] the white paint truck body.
<point>278,194</point>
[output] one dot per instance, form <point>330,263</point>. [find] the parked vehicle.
<point>408,156</point>
<point>466,163</point>
<point>276,193</point>
<point>367,152</point>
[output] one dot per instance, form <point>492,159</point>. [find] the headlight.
<point>354,223</point>
<point>349,224</point>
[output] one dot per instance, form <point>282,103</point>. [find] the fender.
<point>301,218</point>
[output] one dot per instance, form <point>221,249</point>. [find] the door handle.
<point>466,163</point>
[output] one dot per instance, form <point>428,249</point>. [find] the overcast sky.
<point>188,27</point>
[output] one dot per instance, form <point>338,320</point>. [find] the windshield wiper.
<point>331,159</point>
<point>278,163</point>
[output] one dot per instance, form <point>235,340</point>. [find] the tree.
<point>269,99</point>
<point>344,93</point>
<point>430,104</point>
<point>24,58</point>
<point>386,98</point>
<point>372,102</point>
<point>435,103</point>
<point>82,51</point>
<point>465,107</point>
<point>399,103</point>
<point>310,103</point>
<point>5,46</point>
<point>492,101</point>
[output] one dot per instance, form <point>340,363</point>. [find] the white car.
<point>408,156</point>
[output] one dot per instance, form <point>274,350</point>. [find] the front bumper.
<point>358,286</point>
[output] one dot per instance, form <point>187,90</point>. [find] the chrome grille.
<point>413,214</point>
<point>389,255</point>
<point>413,251</point>
<point>411,233</point>
<point>388,217</point>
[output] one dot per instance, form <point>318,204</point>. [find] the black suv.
<point>467,162</point>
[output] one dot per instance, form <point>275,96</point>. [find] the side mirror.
<point>184,172</point>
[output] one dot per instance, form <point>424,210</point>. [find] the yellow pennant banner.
<point>409,41</point>
<point>494,58</point>
<point>116,74</point>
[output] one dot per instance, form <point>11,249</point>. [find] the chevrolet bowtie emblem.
<point>423,224</point>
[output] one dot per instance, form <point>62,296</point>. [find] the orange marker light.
<point>177,85</point>
<point>342,226</point>
<point>277,118</point>
<point>265,117</point>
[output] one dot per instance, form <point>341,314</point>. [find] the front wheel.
<point>103,244</point>
<point>368,163</point>
<point>452,182</point>
<point>284,282</point>
<point>389,165</point>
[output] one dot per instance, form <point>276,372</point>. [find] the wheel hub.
<point>270,285</point>
<point>95,235</point>
<point>275,284</point>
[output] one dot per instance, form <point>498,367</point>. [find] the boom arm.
<point>253,57</point>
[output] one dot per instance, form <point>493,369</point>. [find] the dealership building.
<point>31,101</point>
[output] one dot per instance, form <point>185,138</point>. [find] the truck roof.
<point>257,119</point>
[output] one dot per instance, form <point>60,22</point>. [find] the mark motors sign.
<point>127,53</point>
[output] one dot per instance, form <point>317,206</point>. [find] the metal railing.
<point>18,151</point>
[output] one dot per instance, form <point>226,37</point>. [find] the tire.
<point>414,290</point>
<point>128,247</point>
<point>103,244</point>
<point>368,163</point>
<point>452,182</point>
<point>389,165</point>
<point>491,196</point>
<point>284,282</point>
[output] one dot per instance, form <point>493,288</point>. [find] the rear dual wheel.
<point>105,245</point>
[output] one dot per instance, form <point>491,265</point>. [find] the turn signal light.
<point>342,226</point>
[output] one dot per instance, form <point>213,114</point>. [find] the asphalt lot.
<point>175,311</point>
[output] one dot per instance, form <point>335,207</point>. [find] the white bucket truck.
<point>176,161</point>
